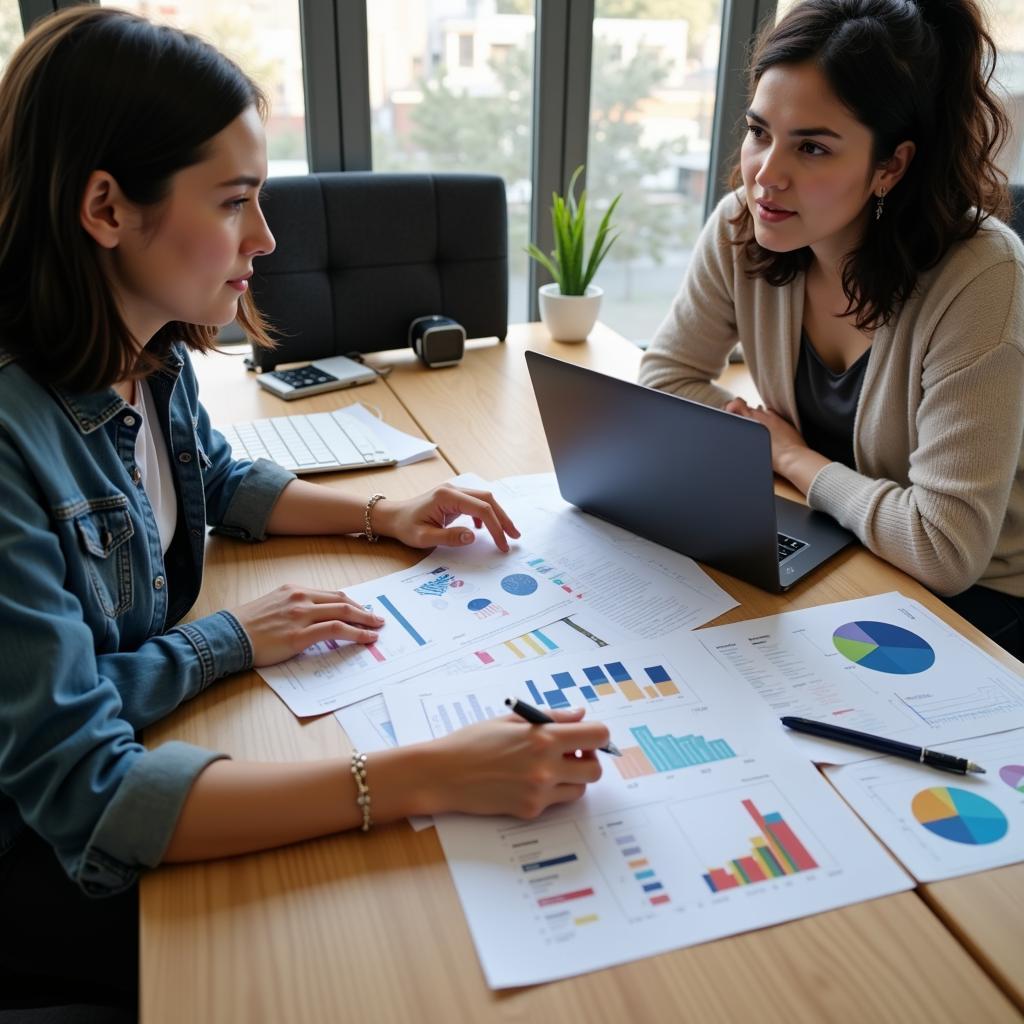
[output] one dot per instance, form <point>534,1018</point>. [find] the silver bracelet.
<point>367,526</point>
<point>363,795</point>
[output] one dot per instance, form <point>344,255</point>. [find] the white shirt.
<point>154,464</point>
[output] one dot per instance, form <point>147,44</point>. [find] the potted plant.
<point>569,306</point>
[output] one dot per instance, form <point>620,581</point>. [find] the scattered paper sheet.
<point>406,448</point>
<point>465,608</point>
<point>709,825</point>
<point>882,665</point>
<point>940,825</point>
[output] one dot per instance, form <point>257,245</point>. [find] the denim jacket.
<point>88,603</point>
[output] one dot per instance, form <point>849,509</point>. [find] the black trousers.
<point>999,616</point>
<point>59,946</point>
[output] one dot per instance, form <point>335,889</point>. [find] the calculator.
<point>316,377</point>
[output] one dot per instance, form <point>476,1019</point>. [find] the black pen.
<point>933,758</point>
<point>535,716</point>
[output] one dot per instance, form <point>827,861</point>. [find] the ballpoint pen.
<point>535,716</point>
<point>932,758</point>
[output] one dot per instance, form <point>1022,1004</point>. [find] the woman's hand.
<point>785,437</point>
<point>507,766</point>
<point>290,619</point>
<point>422,522</point>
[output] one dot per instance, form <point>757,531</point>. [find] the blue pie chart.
<point>883,647</point>
<point>519,584</point>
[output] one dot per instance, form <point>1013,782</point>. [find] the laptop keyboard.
<point>789,546</point>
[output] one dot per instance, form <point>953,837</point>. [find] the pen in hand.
<point>535,716</point>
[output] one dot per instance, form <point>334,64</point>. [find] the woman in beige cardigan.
<point>878,301</point>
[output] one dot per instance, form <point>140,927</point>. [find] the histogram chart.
<point>667,753</point>
<point>551,572</point>
<point>590,684</point>
<point>757,838</point>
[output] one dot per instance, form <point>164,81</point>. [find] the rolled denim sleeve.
<point>136,827</point>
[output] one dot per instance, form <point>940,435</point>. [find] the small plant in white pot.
<point>570,305</point>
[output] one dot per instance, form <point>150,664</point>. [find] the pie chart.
<point>960,816</point>
<point>1013,776</point>
<point>519,584</point>
<point>883,647</point>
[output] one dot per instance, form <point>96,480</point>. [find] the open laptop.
<point>693,478</point>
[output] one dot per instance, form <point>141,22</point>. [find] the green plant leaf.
<point>535,253</point>
<point>601,247</point>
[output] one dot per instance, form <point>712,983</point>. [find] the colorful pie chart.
<point>883,647</point>
<point>960,816</point>
<point>1013,776</point>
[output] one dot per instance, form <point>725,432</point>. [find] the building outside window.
<point>266,44</point>
<point>10,30</point>
<point>451,89</point>
<point>652,99</point>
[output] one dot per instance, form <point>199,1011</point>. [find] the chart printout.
<point>940,825</point>
<point>457,602</point>
<point>882,665</point>
<point>709,825</point>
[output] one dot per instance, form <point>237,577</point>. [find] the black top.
<point>826,402</point>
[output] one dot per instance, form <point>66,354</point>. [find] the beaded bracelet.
<point>367,526</point>
<point>363,796</point>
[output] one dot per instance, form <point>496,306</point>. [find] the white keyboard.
<point>315,443</point>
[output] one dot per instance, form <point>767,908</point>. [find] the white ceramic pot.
<point>569,317</point>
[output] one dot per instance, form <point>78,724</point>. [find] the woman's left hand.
<point>786,439</point>
<point>423,522</point>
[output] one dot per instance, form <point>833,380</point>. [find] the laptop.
<point>315,443</point>
<point>693,478</point>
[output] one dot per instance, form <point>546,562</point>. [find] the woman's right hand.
<point>290,619</point>
<point>507,766</point>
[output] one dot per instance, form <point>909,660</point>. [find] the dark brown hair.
<point>94,88</point>
<point>907,71</point>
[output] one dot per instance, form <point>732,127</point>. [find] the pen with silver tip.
<point>535,716</point>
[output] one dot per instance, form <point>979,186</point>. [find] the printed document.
<point>940,825</point>
<point>883,665</point>
<point>709,825</point>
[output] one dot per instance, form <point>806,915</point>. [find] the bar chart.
<point>667,753</point>
<point>556,576</point>
<point>591,683</point>
<point>774,852</point>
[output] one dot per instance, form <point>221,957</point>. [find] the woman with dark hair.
<point>131,157</point>
<point>878,300</point>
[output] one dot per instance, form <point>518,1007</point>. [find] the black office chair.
<point>1016,219</point>
<point>360,255</point>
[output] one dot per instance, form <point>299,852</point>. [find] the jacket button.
<point>129,421</point>
<point>136,475</point>
<point>158,583</point>
<point>184,457</point>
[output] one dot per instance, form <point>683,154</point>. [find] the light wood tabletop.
<point>368,927</point>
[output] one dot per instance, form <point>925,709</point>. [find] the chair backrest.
<point>360,255</point>
<point>1016,220</point>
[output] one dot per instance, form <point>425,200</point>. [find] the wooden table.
<point>369,928</point>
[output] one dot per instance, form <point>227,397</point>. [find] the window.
<point>652,98</point>
<point>266,44</point>
<point>10,30</point>
<point>1006,23</point>
<point>434,109</point>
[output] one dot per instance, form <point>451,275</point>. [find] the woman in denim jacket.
<point>131,158</point>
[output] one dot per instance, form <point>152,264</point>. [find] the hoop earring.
<point>878,205</point>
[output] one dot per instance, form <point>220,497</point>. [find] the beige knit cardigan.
<point>939,486</point>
